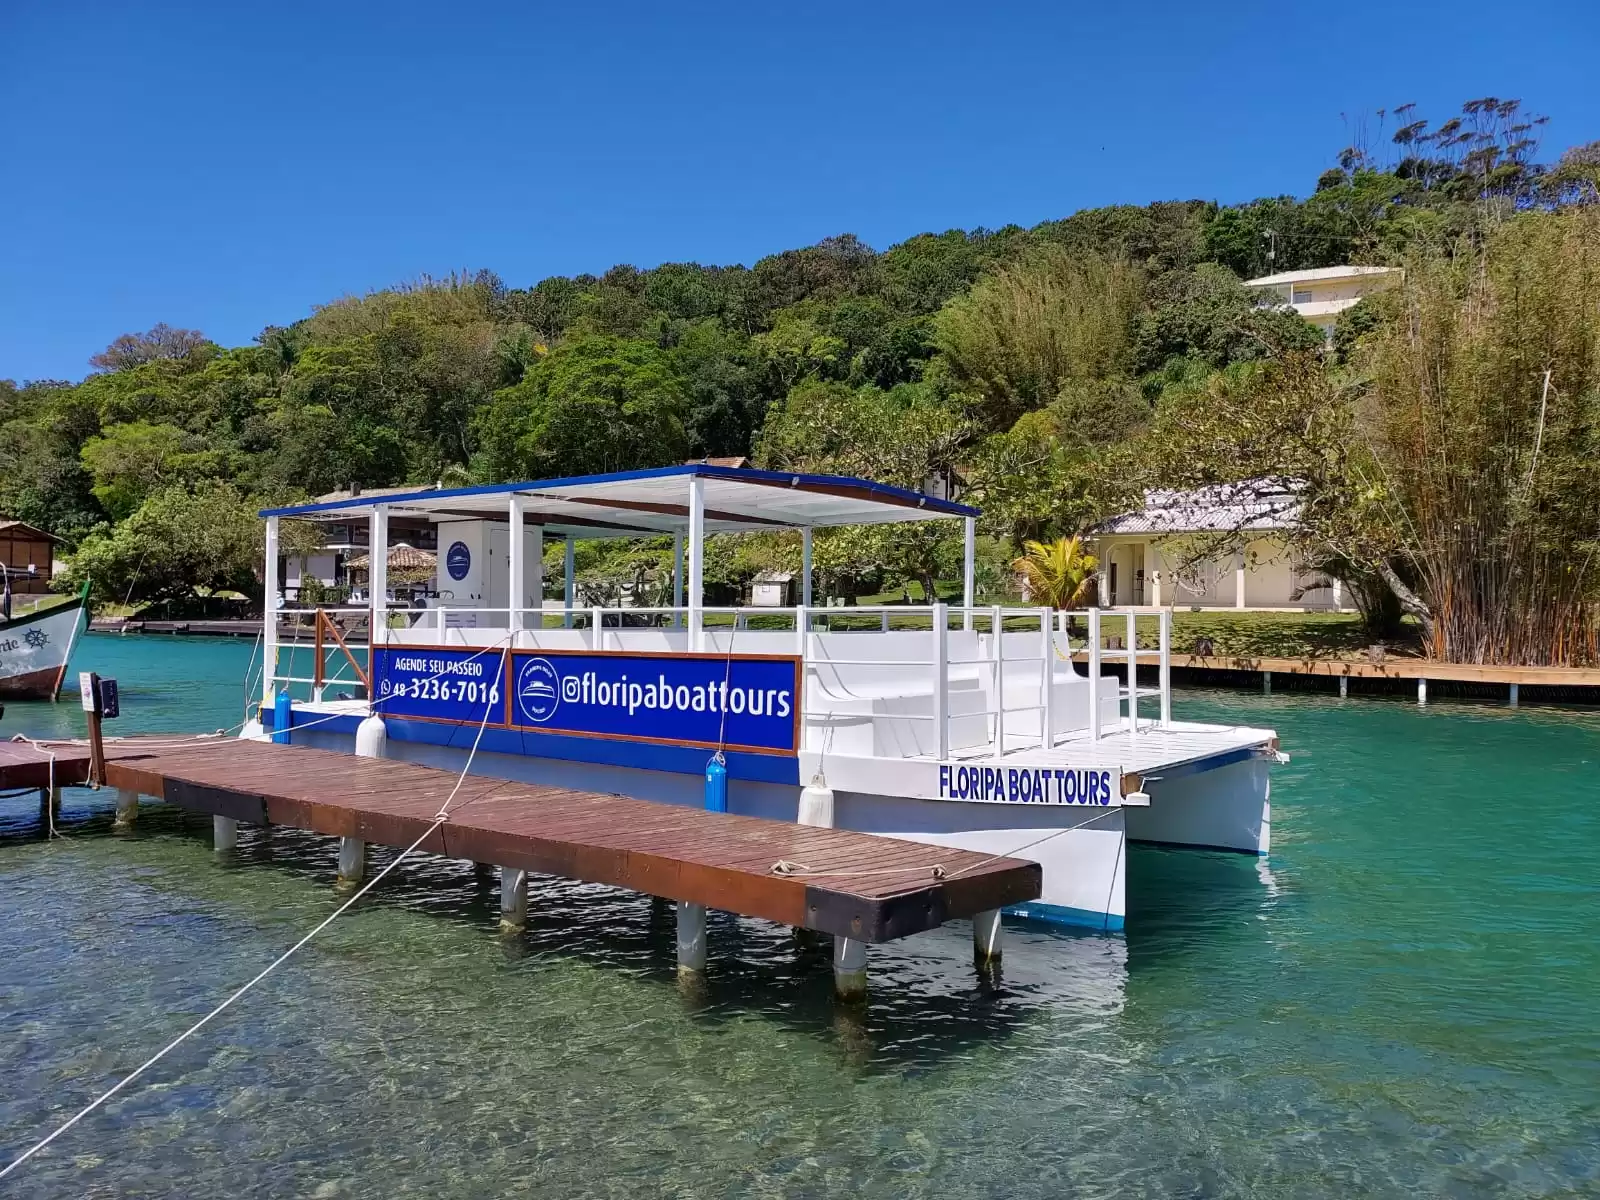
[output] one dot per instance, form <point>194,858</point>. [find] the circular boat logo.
<point>458,560</point>
<point>538,690</point>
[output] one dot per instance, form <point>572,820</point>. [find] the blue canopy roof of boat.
<point>656,501</point>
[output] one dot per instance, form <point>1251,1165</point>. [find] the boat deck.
<point>1153,749</point>
<point>848,884</point>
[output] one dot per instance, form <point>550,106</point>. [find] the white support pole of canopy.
<point>569,583</point>
<point>378,574</point>
<point>969,552</point>
<point>697,559</point>
<point>269,615</point>
<point>516,563</point>
<point>805,566</point>
<point>535,595</point>
<point>677,579</point>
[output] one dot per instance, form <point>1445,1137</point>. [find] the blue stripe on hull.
<point>1060,914</point>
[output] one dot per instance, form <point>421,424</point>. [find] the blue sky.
<point>223,166</point>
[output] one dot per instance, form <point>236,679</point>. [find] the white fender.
<point>372,738</point>
<point>816,803</point>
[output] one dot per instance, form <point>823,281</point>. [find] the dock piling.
<point>987,936</point>
<point>127,810</point>
<point>1422,692</point>
<point>513,900</point>
<point>691,939</point>
<point>1511,700</point>
<point>224,834</point>
<point>352,862</point>
<point>1344,687</point>
<point>850,969</point>
<point>1266,683</point>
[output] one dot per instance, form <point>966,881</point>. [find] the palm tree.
<point>1059,573</point>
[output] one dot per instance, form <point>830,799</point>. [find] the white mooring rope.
<point>439,819</point>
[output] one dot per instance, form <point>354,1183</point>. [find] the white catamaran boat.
<point>36,642</point>
<point>992,729</point>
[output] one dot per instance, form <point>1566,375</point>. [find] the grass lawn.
<point>1232,633</point>
<point>27,605</point>
<point>1272,635</point>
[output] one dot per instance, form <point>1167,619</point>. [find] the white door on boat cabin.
<point>474,572</point>
<point>497,573</point>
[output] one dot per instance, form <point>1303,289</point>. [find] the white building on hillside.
<point>1321,294</point>
<point>1214,547</point>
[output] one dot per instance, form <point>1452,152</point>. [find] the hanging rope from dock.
<point>439,819</point>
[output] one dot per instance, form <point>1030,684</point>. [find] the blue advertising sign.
<point>749,703</point>
<point>458,560</point>
<point>440,685</point>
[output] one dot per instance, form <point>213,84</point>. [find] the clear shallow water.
<point>1404,1000</point>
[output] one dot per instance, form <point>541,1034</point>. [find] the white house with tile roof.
<point>1224,546</point>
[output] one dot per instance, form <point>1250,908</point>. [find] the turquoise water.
<point>1404,1000</point>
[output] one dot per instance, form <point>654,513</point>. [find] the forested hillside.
<point>1035,365</point>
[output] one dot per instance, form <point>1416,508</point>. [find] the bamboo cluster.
<point>1483,416</point>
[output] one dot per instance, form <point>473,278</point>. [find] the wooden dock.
<point>1581,684</point>
<point>23,766</point>
<point>860,888</point>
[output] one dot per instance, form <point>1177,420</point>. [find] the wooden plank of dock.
<point>852,885</point>
<point>24,766</point>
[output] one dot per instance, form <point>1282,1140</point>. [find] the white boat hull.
<point>1083,850</point>
<point>35,651</point>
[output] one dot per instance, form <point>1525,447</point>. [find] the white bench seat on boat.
<point>872,694</point>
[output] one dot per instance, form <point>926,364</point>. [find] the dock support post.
<point>224,834</point>
<point>127,810</point>
<point>1344,686</point>
<point>1512,700</point>
<point>987,934</point>
<point>513,900</point>
<point>352,862</point>
<point>1422,692</point>
<point>850,969</point>
<point>1266,683</point>
<point>691,939</point>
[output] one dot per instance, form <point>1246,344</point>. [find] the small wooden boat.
<point>37,645</point>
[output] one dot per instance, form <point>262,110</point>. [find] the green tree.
<point>906,436</point>
<point>135,349</point>
<point>1208,316</point>
<point>1021,334</point>
<point>595,405</point>
<point>129,462</point>
<point>177,541</point>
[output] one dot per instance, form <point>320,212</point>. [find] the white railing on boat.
<point>520,629</point>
